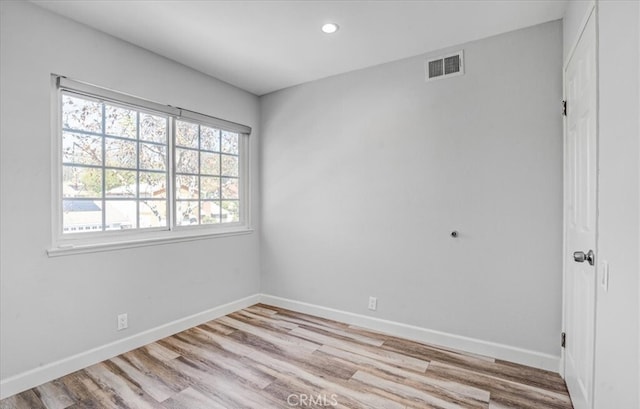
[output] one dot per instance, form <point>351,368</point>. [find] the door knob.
<point>581,257</point>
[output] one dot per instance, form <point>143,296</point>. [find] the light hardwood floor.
<point>264,357</point>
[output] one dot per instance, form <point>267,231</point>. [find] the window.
<point>128,168</point>
<point>114,166</point>
<point>207,175</point>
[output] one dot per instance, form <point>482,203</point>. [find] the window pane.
<point>230,211</point>
<point>120,183</point>
<point>186,187</point>
<point>81,216</point>
<point>153,213</point>
<point>186,134</point>
<point>229,142</point>
<point>120,153</point>
<point>81,114</point>
<point>209,163</point>
<point>210,187</point>
<point>81,149</point>
<point>120,214</point>
<point>120,121</point>
<point>187,213</point>
<point>153,128</point>
<point>229,188</point>
<point>153,185</point>
<point>209,139</point>
<point>229,165</point>
<point>186,161</point>
<point>81,182</point>
<point>153,157</point>
<point>210,212</point>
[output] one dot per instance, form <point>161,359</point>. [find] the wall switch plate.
<point>373,303</point>
<point>123,321</point>
<point>604,275</point>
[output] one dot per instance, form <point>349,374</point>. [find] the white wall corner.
<point>464,344</point>
<point>48,372</point>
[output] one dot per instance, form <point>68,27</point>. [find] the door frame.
<point>591,11</point>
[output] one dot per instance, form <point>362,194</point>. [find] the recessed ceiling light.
<point>330,28</point>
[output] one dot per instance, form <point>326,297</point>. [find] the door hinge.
<point>563,339</point>
<point>564,108</point>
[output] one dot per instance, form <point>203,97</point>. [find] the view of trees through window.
<point>207,185</point>
<point>115,169</point>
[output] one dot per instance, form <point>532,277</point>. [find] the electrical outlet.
<point>123,321</point>
<point>373,303</point>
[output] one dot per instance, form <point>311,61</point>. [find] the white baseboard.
<point>472,345</point>
<point>37,376</point>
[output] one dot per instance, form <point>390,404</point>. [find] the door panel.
<point>580,216</point>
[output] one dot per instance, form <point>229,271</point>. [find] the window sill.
<point>70,249</point>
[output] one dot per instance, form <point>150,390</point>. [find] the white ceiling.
<point>263,46</point>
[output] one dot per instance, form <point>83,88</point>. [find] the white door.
<point>580,217</point>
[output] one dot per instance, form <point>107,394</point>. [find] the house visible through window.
<point>132,165</point>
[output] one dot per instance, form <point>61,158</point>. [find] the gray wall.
<point>617,377</point>
<point>52,308</point>
<point>365,174</point>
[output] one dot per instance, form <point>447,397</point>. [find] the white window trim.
<point>80,243</point>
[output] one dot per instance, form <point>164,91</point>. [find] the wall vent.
<point>445,66</point>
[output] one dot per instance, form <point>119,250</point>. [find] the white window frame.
<point>64,244</point>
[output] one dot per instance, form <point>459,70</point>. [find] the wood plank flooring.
<point>265,357</point>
